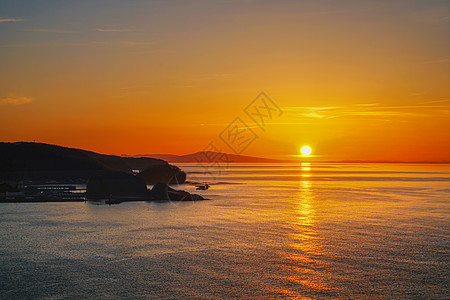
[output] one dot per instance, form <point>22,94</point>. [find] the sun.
<point>305,150</point>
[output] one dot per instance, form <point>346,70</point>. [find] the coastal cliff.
<point>167,173</point>
<point>44,162</point>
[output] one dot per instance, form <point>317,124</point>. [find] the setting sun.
<point>305,150</point>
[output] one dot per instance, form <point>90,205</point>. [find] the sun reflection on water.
<point>306,254</point>
<point>305,168</point>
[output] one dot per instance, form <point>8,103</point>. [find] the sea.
<point>269,231</point>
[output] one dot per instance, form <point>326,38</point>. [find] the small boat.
<point>203,187</point>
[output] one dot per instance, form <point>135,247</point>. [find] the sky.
<point>354,80</point>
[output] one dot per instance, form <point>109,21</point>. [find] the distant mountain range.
<point>210,157</point>
<point>213,157</point>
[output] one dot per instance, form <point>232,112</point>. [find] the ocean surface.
<point>299,231</point>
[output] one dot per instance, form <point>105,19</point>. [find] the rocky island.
<point>117,187</point>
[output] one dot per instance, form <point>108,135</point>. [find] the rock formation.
<point>168,174</point>
<point>115,184</point>
<point>162,191</point>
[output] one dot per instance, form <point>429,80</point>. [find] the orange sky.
<point>355,80</point>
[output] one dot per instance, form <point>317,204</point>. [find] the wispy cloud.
<point>373,110</point>
<point>124,43</point>
<point>50,30</point>
<point>312,108</point>
<point>14,100</point>
<point>2,20</point>
<point>319,112</point>
<point>437,101</point>
<point>366,104</point>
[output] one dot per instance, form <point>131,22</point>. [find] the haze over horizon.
<point>355,80</point>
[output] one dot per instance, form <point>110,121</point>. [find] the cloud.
<point>366,104</point>
<point>50,30</point>
<point>311,108</point>
<point>10,20</point>
<point>373,110</point>
<point>318,112</point>
<point>437,101</point>
<point>13,100</point>
<point>83,44</point>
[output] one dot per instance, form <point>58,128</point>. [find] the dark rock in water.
<point>167,173</point>
<point>185,196</point>
<point>115,184</point>
<point>162,191</point>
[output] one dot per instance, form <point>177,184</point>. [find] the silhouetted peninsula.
<point>38,161</point>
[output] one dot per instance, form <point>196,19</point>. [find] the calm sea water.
<point>320,231</point>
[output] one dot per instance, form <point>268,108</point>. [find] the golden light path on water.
<point>307,265</point>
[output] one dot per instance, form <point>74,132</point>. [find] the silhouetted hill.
<point>23,160</point>
<point>167,174</point>
<point>210,157</point>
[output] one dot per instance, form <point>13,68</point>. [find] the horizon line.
<point>304,160</point>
